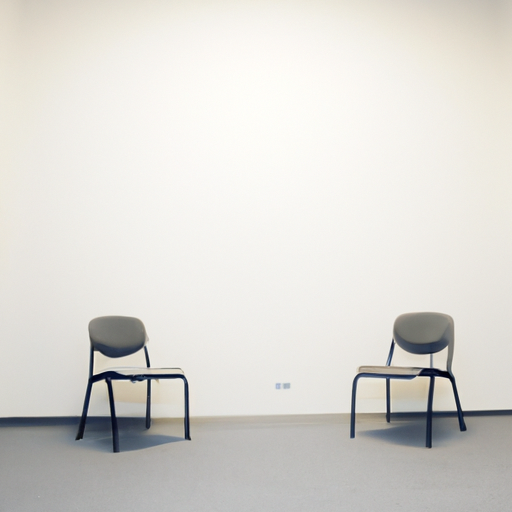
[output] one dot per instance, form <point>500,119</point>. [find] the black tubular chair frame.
<point>431,373</point>
<point>133,375</point>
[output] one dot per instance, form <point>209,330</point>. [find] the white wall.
<point>267,184</point>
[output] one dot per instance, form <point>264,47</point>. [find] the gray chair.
<point>416,333</point>
<point>119,336</point>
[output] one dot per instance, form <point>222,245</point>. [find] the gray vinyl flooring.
<point>287,463</point>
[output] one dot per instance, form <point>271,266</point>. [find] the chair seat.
<point>390,370</point>
<point>129,372</point>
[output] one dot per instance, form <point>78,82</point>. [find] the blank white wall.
<point>266,184</point>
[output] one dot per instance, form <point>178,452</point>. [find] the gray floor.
<point>298,463</point>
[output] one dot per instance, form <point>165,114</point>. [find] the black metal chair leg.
<point>148,397</point>
<point>115,430</point>
<point>462,423</point>
<point>187,418</point>
<point>353,409</point>
<point>388,400</point>
<point>148,405</point>
<point>429,411</point>
<point>83,419</point>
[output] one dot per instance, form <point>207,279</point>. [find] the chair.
<point>417,333</point>
<point>119,336</point>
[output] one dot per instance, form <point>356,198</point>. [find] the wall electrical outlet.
<point>286,385</point>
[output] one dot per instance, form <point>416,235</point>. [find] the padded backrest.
<point>425,333</point>
<point>117,336</point>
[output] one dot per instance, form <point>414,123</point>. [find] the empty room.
<point>269,186</point>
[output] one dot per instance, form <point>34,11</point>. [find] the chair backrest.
<point>117,336</point>
<point>425,333</point>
